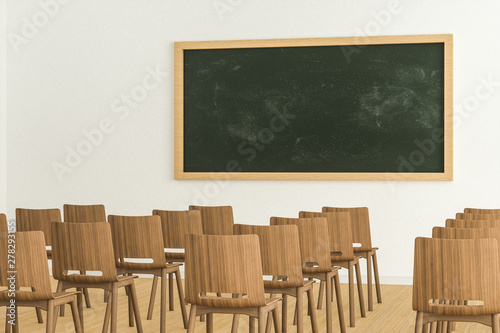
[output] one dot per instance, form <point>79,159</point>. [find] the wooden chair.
<point>84,213</point>
<point>216,220</point>
<point>3,223</point>
<point>467,216</point>
<point>361,234</point>
<point>175,225</point>
<point>481,211</point>
<point>447,270</point>
<point>316,260</point>
<point>221,265</point>
<point>38,219</point>
<point>87,248</point>
<point>32,274</point>
<point>140,237</point>
<point>342,255</point>
<point>454,223</point>
<point>280,253</point>
<point>462,233</point>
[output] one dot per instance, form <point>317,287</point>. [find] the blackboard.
<point>334,108</point>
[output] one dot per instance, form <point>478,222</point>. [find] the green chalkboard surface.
<point>377,108</point>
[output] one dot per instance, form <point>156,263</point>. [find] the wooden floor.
<point>393,315</point>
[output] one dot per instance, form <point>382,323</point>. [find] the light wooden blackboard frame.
<point>447,175</point>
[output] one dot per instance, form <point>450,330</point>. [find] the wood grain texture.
<point>466,233</point>
<point>180,47</point>
<point>481,211</point>
<point>3,223</point>
<point>32,279</point>
<point>339,233</point>
<point>176,224</point>
<point>37,219</point>
<point>395,315</point>
<point>30,264</point>
<point>443,270</point>
<point>84,213</point>
<point>455,223</point>
<point>224,264</point>
<point>83,247</point>
<point>360,223</point>
<point>137,237</point>
<point>467,216</point>
<point>216,220</point>
<point>280,252</point>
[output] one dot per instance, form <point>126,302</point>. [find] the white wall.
<point>66,76</point>
<point>3,108</point>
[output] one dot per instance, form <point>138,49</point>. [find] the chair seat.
<point>175,255</point>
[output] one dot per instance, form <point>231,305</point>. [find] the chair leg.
<point>130,309</point>
<point>135,306</point>
<point>359,283</point>
<point>79,302</point>
<point>49,328</point>
<point>419,323</point>
<point>300,310</point>
<point>340,305</point>
<point>284,313</point>
<point>39,316</point>
<point>369,280</point>
<point>377,280</point>
<point>152,297</point>
<point>76,317</point>
<point>192,319</point>
<point>163,307</point>
<point>262,322</point>
<point>107,315</point>
<point>320,295</point>
<point>236,321</point>
<point>87,298</point>
<point>329,321</point>
<point>114,308</point>
<point>495,323</point>
<point>312,310</point>
<point>182,301</point>
<point>171,292</point>
<point>276,319</point>
<point>210,323</point>
<point>15,328</point>
<point>251,324</point>
<point>352,313</point>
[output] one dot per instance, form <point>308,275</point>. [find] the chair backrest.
<point>216,220</point>
<point>280,251</point>
<point>30,263</point>
<point>360,222</point>
<point>224,264</point>
<point>450,269</point>
<point>464,216</point>
<point>339,233</point>
<point>84,213</point>
<point>135,239</point>
<point>481,211</point>
<point>3,223</point>
<point>454,223</point>
<point>175,224</point>
<point>466,233</point>
<point>85,247</point>
<point>314,242</point>
<point>37,219</point>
